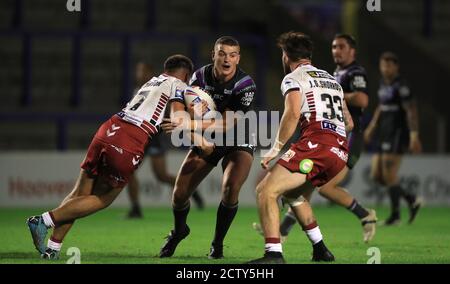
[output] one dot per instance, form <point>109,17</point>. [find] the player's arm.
<point>410,108</point>
<point>370,130</point>
<point>347,118</point>
<point>222,124</point>
<point>357,99</point>
<point>288,124</point>
<point>179,117</point>
<point>240,103</point>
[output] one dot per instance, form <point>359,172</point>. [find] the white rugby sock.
<point>313,233</point>
<point>53,244</point>
<point>48,221</point>
<point>273,245</point>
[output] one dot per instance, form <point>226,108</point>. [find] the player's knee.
<point>180,196</point>
<point>263,192</point>
<point>231,188</point>
<point>104,202</point>
<point>259,189</point>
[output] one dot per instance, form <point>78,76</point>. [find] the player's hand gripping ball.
<point>195,95</point>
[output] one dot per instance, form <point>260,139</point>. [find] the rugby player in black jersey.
<point>232,90</point>
<point>397,123</point>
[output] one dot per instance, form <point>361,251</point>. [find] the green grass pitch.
<point>107,237</point>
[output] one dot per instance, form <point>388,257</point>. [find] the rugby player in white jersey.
<point>314,101</point>
<point>115,152</point>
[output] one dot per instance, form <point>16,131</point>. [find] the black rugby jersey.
<point>353,78</point>
<point>391,98</point>
<point>237,94</point>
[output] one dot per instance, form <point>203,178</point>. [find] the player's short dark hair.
<point>390,56</point>
<point>227,40</point>
<point>296,45</point>
<point>178,61</point>
<point>348,38</point>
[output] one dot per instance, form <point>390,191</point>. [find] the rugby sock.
<point>54,243</point>
<point>394,194</point>
<point>288,223</point>
<point>49,220</point>
<point>135,205</point>
<point>273,245</point>
<point>409,197</point>
<point>180,217</point>
<point>358,210</point>
<point>313,232</point>
<point>225,216</point>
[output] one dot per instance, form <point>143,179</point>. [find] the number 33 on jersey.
<point>322,100</point>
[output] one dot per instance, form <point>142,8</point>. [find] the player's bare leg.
<point>390,167</point>
<point>83,186</point>
<point>159,167</point>
<point>236,167</point>
<point>376,170</point>
<point>193,170</point>
<point>301,209</point>
<point>88,197</point>
<point>341,197</point>
<point>133,195</point>
<point>277,182</point>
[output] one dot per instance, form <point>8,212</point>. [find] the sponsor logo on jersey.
<point>311,145</point>
<point>179,94</point>
<point>320,74</point>
<point>289,84</point>
<point>135,161</point>
<point>359,82</point>
<point>341,154</point>
<point>120,150</point>
<point>333,127</point>
<point>218,97</point>
<point>329,125</point>
<point>247,99</point>
<point>288,155</point>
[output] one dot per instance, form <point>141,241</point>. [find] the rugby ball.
<point>196,95</point>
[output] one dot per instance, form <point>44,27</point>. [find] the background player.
<point>397,122</point>
<point>113,155</point>
<point>156,150</point>
<point>232,90</point>
<point>352,77</point>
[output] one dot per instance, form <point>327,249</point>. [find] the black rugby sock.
<point>180,218</point>
<point>225,216</point>
<point>358,210</point>
<point>394,194</point>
